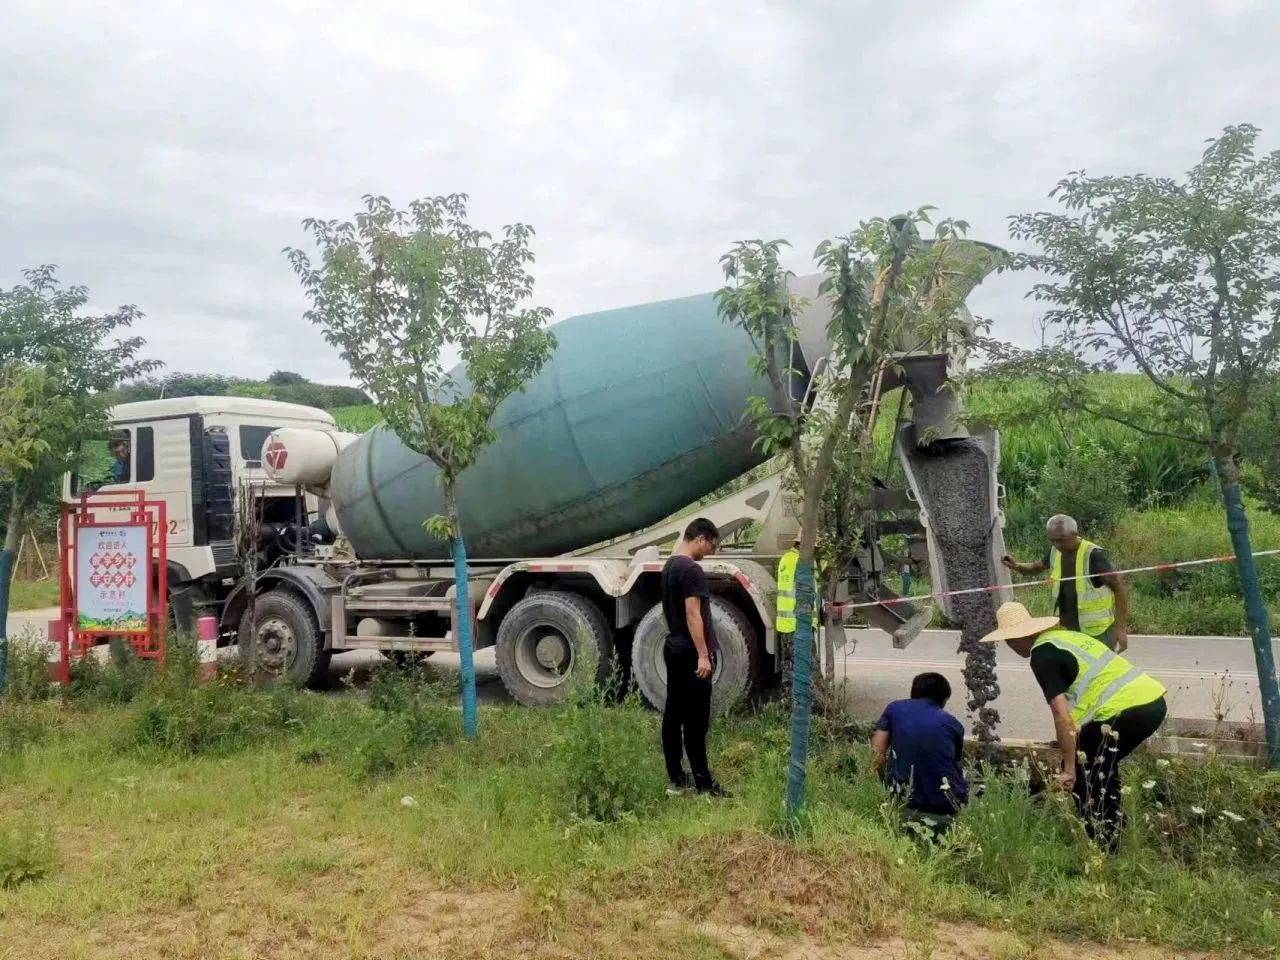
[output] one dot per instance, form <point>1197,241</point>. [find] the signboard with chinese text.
<point>113,577</point>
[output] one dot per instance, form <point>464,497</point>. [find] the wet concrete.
<point>954,485</point>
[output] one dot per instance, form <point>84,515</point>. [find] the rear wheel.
<point>282,641</point>
<point>550,641</point>
<point>737,664</point>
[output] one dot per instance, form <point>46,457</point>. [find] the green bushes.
<point>27,852</point>
<point>194,720</point>
<point>27,668</point>
<point>607,758</point>
<point>1084,484</point>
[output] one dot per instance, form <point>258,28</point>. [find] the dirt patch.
<point>937,942</point>
<point>763,883</point>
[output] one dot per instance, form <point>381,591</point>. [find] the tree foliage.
<point>1180,279</point>
<point>888,291</point>
<point>404,294</point>
<point>61,364</point>
<point>282,385</point>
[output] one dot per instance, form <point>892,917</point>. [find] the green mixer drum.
<point>638,413</point>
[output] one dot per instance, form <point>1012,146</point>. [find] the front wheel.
<point>550,641</point>
<point>736,665</point>
<point>282,641</point>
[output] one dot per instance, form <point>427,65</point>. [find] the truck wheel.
<point>282,641</point>
<point>548,642</point>
<point>736,667</point>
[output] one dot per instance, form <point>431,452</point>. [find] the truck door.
<point>149,457</point>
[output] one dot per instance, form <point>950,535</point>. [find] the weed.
<point>608,757</point>
<point>212,719</point>
<point>20,727</point>
<point>120,680</point>
<point>27,851</point>
<point>27,670</point>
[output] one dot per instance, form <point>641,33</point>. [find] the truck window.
<point>128,456</point>
<point>144,455</point>
<point>252,437</point>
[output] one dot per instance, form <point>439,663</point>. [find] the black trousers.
<point>1097,789</point>
<point>686,714</point>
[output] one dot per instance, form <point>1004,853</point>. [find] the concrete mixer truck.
<point>305,541</point>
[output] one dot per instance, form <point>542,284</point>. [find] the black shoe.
<point>714,789</point>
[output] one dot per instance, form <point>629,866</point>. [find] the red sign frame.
<point>148,643</point>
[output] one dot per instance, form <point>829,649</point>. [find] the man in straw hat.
<point>1103,708</point>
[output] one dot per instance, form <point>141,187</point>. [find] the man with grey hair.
<point>1088,595</point>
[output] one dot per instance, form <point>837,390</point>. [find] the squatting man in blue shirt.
<point>919,748</point>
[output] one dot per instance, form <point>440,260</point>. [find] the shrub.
<point>608,760</point>
<point>120,680</point>
<point>1006,841</point>
<point>1213,814</point>
<point>27,668</point>
<point>1087,484</point>
<point>20,726</point>
<point>215,719</point>
<point>27,850</point>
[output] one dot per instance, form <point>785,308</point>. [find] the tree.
<point>1182,281</point>
<point>887,292</point>
<point>57,366</point>
<point>400,293</point>
<point>283,378</point>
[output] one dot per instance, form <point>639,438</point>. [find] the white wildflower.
<point>946,784</point>
<point>1148,784</point>
<point>1162,762</point>
<point>408,802</point>
<point>1126,790</point>
<point>1198,811</point>
<point>1233,817</point>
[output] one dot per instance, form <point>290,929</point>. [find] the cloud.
<point>163,154</point>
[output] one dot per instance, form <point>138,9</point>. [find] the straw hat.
<point>1015,622</point>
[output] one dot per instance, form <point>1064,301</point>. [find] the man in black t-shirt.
<point>689,654</point>
<point>1064,537</point>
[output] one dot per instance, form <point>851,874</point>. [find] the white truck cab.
<point>197,454</point>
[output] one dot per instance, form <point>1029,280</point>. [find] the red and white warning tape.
<point>1228,558</point>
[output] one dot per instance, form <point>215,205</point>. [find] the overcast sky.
<point>164,153</point>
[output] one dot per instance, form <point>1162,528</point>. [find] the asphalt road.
<point>1206,676</point>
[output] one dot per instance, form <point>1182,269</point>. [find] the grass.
<point>276,837</point>
<point>33,594</point>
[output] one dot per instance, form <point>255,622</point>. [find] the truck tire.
<point>550,641</point>
<point>281,641</point>
<point>737,666</point>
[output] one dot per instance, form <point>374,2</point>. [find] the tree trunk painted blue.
<point>1255,608</point>
<point>462,598</point>
<point>6,577</point>
<point>801,689</point>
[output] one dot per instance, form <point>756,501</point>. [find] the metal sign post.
<point>114,574</point>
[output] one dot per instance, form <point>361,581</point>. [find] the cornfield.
<point>1156,470</point>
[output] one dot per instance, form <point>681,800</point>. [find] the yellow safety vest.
<point>786,622</point>
<point>786,603</point>
<point>1095,606</point>
<point>1106,682</point>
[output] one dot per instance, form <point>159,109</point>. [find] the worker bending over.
<point>1103,708</point>
<point>1098,602</point>
<point>919,748</point>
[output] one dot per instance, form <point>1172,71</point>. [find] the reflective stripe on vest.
<point>1105,683</point>
<point>1095,606</point>
<point>786,603</point>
